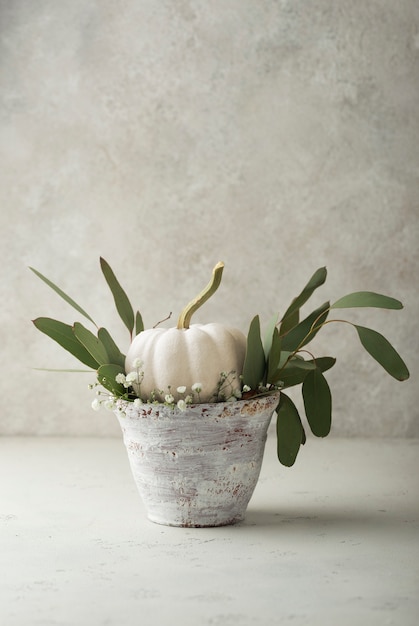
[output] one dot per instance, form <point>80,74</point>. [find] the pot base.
<point>226,522</point>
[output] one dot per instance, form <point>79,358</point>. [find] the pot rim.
<point>262,396</point>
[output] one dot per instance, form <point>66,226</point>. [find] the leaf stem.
<point>313,328</point>
<point>310,353</point>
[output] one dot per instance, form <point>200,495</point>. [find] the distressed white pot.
<point>198,467</point>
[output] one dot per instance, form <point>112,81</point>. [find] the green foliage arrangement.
<point>275,360</point>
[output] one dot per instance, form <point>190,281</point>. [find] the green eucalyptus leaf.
<point>383,352</point>
<point>274,354</point>
<point>306,330</point>
<point>269,333</point>
<point>324,363</point>
<point>123,305</point>
<point>294,374</point>
<point>106,375</point>
<point>91,343</point>
<point>317,403</point>
<point>63,295</point>
<point>289,431</point>
<point>64,336</point>
<point>290,322</point>
<point>254,363</point>
<point>367,299</point>
<point>286,356</point>
<point>291,316</point>
<point>112,350</point>
<point>296,367</point>
<point>139,324</point>
<point>283,358</point>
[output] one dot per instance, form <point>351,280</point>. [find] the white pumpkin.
<point>175,357</point>
<point>188,354</point>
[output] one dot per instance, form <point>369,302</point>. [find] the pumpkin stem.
<point>185,316</point>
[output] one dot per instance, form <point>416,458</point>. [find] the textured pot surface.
<point>198,467</point>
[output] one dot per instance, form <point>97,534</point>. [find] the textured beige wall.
<point>278,136</point>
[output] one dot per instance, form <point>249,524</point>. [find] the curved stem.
<point>309,353</point>
<point>165,320</point>
<point>185,316</point>
<point>313,328</point>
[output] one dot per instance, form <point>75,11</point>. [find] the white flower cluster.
<point>228,390</point>
<point>108,403</point>
<point>135,377</point>
<point>182,403</point>
<point>131,378</point>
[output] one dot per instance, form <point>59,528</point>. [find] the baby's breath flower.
<point>120,378</point>
<point>189,399</point>
<point>137,403</point>
<point>169,398</point>
<point>246,388</point>
<point>131,377</point>
<point>109,403</point>
<point>197,387</point>
<point>137,363</point>
<point>181,405</point>
<point>96,404</point>
<point>181,389</point>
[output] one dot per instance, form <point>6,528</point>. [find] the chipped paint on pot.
<point>197,467</point>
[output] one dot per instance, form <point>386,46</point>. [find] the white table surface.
<point>333,540</point>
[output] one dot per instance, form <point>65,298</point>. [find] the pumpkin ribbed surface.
<point>182,357</point>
